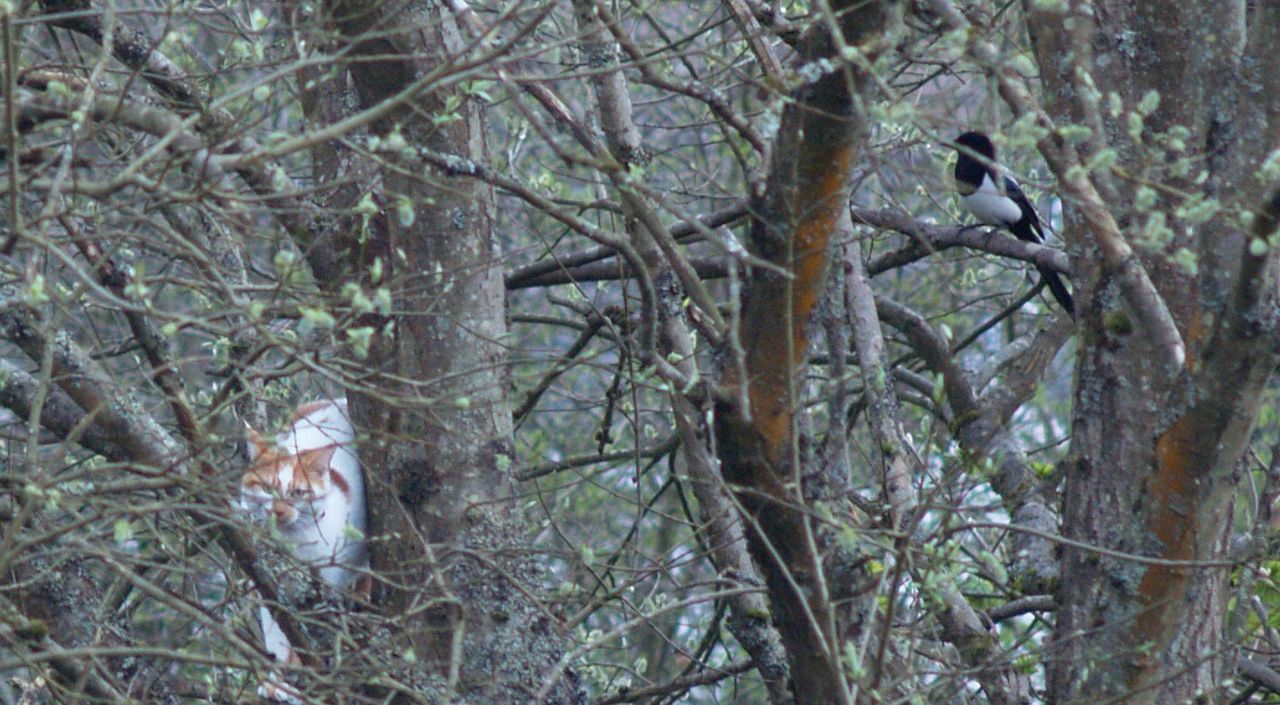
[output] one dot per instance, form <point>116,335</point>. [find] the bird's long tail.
<point>1059,289</point>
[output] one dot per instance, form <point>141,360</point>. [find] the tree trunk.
<point>447,544</point>
<point>805,199</point>
<point>1156,441</point>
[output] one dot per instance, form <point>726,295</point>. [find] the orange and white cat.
<point>309,482</point>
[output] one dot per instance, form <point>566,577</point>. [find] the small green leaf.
<point>1144,199</point>
<point>1103,160</point>
<point>284,261</point>
<point>35,291</point>
<point>237,50</point>
<point>316,317</point>
<point>121,530</point>
<point>1114,104</point>
<point>366,206</point>
<point>1198,210</point>
<point>382,300</point>
<point>1134,126</point>
<point>1075,134</point>
<point>1150,101</point>
<point>360,302</point>
<point>359,339</point>
<point>395,141</point>
<point>1270,169</point>
<point>405,214</point>
<point>258,20</point>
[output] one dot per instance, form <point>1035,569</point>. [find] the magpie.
<point>995,199</point>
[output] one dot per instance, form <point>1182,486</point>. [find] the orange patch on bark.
<point>770,367</point>
<point>1198,330</point>
<point>1173,520</point>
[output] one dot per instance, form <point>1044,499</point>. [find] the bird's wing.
<point>1030,219</point>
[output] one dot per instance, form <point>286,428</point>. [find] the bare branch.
<point>980,432</point>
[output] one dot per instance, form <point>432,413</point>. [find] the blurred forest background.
<point>677,377</point>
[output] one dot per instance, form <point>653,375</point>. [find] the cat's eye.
<point>297,493</point>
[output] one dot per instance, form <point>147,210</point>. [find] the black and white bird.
<point>995,199</point>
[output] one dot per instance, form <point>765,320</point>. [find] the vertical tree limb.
<point>805,198</point>
<point>725,539</point>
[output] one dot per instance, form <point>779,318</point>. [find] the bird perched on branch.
<point>995,199</point>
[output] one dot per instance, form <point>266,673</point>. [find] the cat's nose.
<point>281,511</point>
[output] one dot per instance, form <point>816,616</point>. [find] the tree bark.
<point>805,198</point>
<point>447,546</point>
<point>1156,442</point>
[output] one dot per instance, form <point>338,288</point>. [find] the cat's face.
<point>290,488</point>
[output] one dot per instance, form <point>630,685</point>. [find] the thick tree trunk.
<point>805,199</point>
<point>1156,442</point>
<point>447,548</point>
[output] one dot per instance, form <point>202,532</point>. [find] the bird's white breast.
<point>991,206</point>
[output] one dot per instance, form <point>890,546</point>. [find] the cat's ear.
<point>319,459</point>
<point>254,443</point>
<point>316,462</point>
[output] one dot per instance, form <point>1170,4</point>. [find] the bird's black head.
<point>977,143</point>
